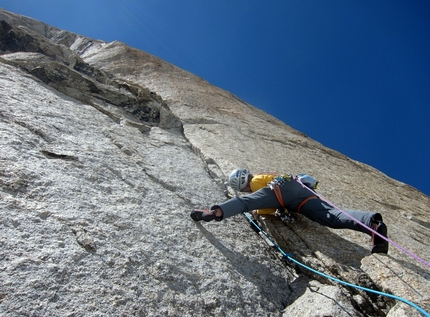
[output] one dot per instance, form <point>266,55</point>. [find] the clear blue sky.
<point>353,75</point>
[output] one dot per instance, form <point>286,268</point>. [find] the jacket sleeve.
<point>261,199</point>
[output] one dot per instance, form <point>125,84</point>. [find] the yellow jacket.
<point>259,181</point>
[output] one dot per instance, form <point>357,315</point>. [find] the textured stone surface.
<point>104,151</point>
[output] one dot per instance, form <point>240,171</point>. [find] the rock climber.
<point>271,191</point>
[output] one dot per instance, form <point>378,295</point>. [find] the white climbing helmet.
<point>308,181</point>
<point>238,179</point>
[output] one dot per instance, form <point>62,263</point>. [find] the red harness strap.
<point>304,202</point>
<point>278,194</point>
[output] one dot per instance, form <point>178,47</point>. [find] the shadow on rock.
<point>275,288</point>
<point>310,237</point>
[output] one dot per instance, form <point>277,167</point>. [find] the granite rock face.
<point>105,149</point>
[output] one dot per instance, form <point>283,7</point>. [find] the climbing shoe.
<point>379,245</point>
<point>205,215</point>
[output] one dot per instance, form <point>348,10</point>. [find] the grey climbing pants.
<point>314,209</point>
<point>319,211</point>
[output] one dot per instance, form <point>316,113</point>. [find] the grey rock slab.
<point>105,149</point>
<point>95,218</point>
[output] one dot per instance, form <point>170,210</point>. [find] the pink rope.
<point>368,228</point>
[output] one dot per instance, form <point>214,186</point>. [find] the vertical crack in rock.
<point>366,304</point>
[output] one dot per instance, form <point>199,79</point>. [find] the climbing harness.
<point>276,185</point>
<point>304,202</point>
<point>289,257</point>
<point>282,213</point>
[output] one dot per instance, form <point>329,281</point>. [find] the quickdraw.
<point>276,185</point>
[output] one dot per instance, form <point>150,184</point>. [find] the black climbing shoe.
<point>379,245</point>
<point>206,215</point>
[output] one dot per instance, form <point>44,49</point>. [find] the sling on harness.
<point>282,213</point>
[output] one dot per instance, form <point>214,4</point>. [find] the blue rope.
<point>289,257</point>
